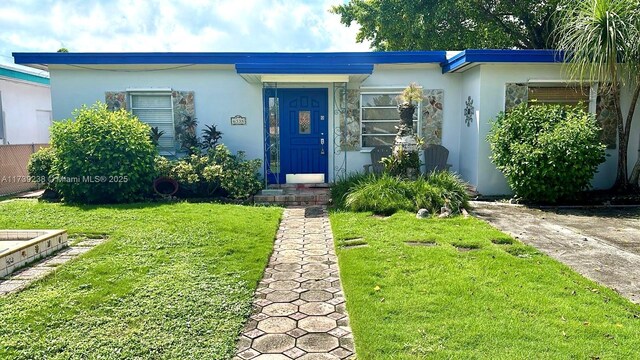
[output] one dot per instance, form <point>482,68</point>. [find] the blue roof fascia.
<point>19,75</point>
<point>298,68</point>
<point>467,57</point>
<point>338,58</point>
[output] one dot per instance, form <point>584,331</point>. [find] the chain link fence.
<point>13,168</point>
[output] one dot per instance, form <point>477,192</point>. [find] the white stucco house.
<point>25,106</point>
<point>322,113</point>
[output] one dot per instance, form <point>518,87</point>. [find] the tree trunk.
<point>635,174</point>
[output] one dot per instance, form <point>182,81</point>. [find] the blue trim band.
<point>467,57</point>
<point>298,63</point>
<point>304,69</point>
<point>339,58</point>
<point>19,75</point>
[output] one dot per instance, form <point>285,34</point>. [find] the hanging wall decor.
<point>468,111</point>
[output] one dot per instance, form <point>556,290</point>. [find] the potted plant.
<point>409,99</point>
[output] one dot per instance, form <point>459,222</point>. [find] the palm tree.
<point>601,40</point>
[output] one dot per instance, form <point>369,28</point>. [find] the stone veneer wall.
<point>432,116</point>
<point>514,95</point>
<point>116,100</point>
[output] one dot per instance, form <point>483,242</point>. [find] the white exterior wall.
<point>469,135</point>
<point>27,111</point>
<point>219,95</point>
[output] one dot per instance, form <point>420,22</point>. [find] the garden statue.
<point>405,160</point>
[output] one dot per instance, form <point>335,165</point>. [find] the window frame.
<point>395,91</point>
<point>155,92</point>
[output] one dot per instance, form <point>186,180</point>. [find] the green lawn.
<point>174,281</point>
<point>497,302</point>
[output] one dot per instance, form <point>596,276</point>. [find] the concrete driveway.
<point>602,244</point>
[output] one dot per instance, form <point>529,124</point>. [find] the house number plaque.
<point>238,120</point>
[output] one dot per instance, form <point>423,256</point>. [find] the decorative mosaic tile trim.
<point>183,105</point>
<point>116,100</point>
<point>432,116</point>
<point>350,120</point>
<point>514,95</point>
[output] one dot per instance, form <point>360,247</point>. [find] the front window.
<point>156,110</point>
<point>561,94</point>
<point>379,114</point>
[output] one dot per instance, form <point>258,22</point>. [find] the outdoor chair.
<point>377,153</point>
<point>435,158</point>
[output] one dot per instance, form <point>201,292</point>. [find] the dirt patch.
<point>601,243</point>
<point>351,243</point>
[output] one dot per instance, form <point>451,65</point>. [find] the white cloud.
<point>164,25</point>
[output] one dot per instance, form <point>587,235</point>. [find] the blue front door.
<point>303,132</point>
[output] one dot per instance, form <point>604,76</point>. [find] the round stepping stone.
<point>289,259</point>
<point>315,246</point>
<point>272,357</point>
<point>315,284</point>
<point>283,296</point>
<point>317,342</point>
<point>316,324</point>
<point>318,357</point>
<point>284,285</point>
<point>315,267</point>
<point>316,295</point>
<point>277,325</point>
<point>280,309</point>
<point>274,343</point>
<point>287,267</point>
<point>284,275</point>
<point>317,275</point>
<point>289,253</point>
<point>316,308</point>
<point>315,252</point>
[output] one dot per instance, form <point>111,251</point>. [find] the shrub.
<point>40,164</point>
<point>238,177</point>
<point>102,156</point>
<point>219,173</point>
<point>188,172</point>
<point>546,152</point>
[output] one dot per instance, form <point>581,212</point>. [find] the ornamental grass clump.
<point>546,152</point>
<point>384,195</point>
<point>387,194</point>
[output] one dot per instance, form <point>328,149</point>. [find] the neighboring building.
<point>320,114</point>
<point>25,106</point>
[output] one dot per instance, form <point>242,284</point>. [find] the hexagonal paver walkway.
<point>299,310</point>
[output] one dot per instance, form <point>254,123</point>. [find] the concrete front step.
<point>300,186</point>
<point>294,196</point>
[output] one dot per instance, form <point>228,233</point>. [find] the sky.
<point>172,25</point>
